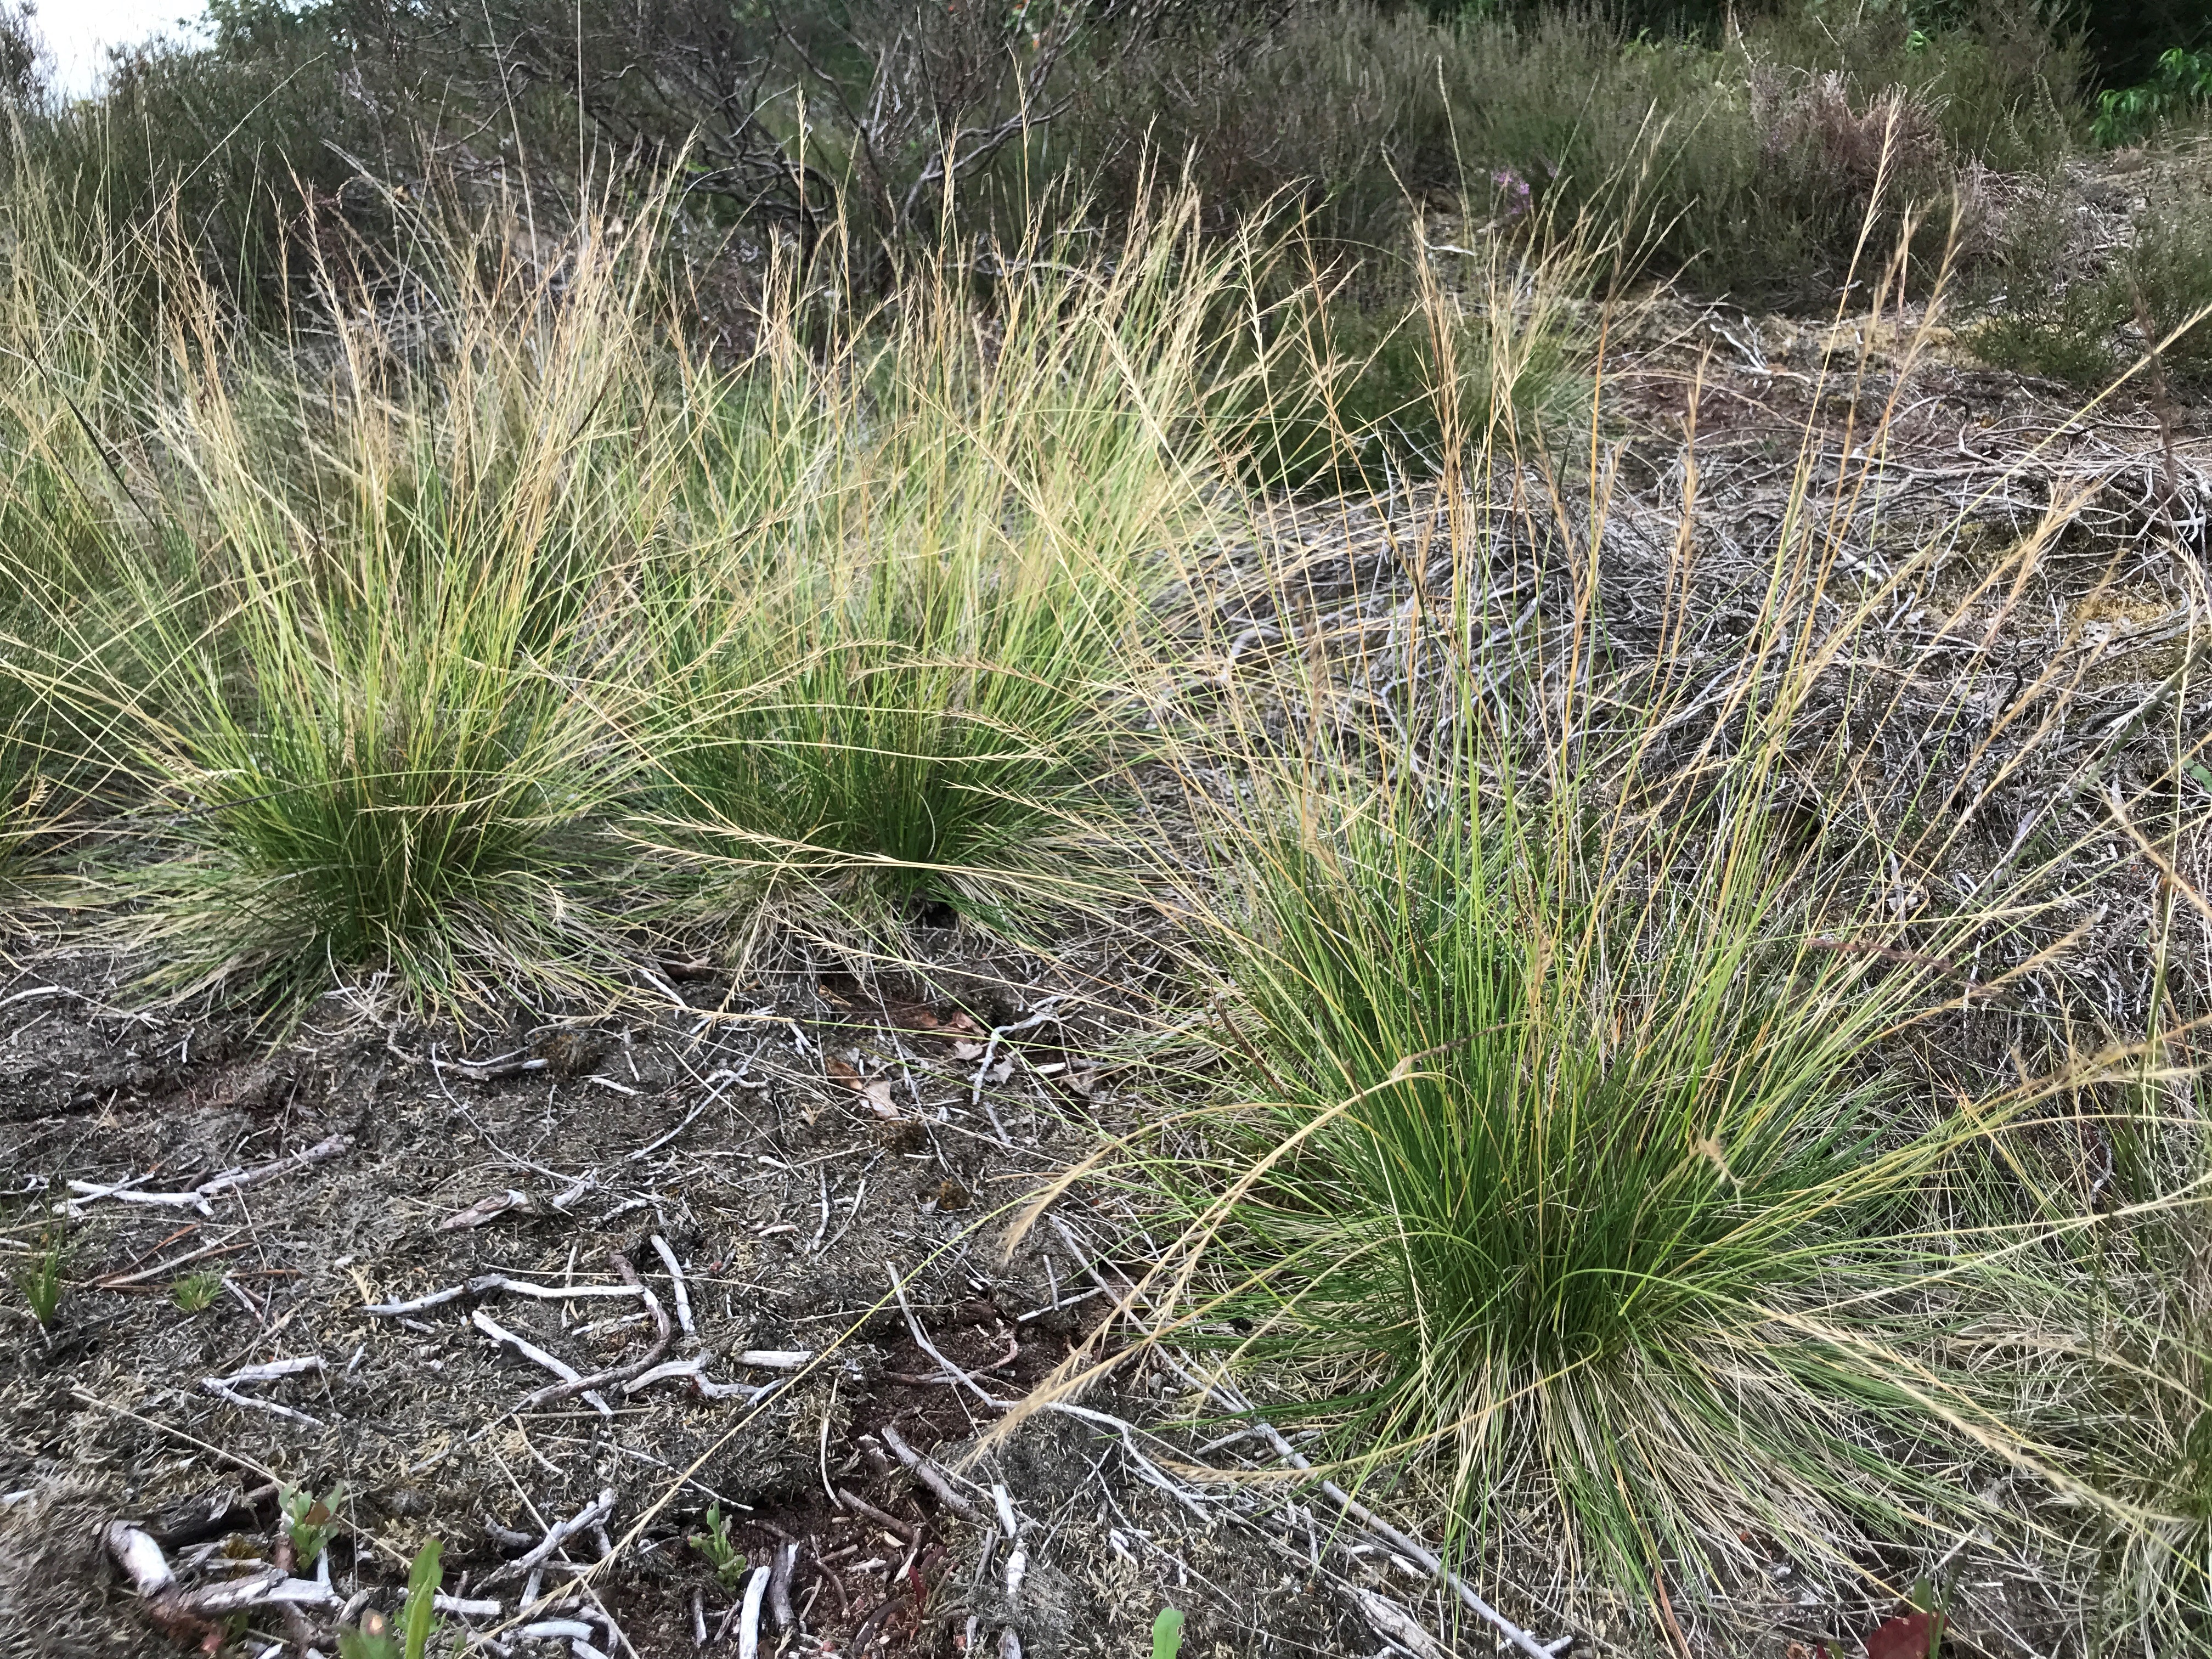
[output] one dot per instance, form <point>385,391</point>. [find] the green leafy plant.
<point>195,1293</point>
<point>374,1638</point>
<point>729,1562</point>
<point>41,1282</point>
<point>1167,1634</point>
<point>2180,86</point>
<point>310,1521</point>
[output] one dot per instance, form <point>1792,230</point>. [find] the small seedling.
<point>195,1293</point>
<point>728,1561</point>
<point>374,1639</point>
<point>41,1282</point>
<point>1167,1634</point>
<point>310,1521</point>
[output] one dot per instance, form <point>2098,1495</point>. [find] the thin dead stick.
<point>231,1180</point>
<point>615,1374</point>
<point>860,1505</point>
<point>117,1281</point>
<point>748,1617</point>
<point>238,1181</point>
<point>929,1474</point>
<point>676,1284</point>
<point>690,1118</point>
<point>84,1193</point>
<point>222,1390</point>
<point>952,1373</point>
<point>779,1586</point>
<point>1013,1353</point>
<point>1389,1619</point>
<point>492,1285</point>
<point>1044,1014</point>
<point>274,1369</point>
<point>695,1368</point>
<point>556,1535</point>
<point>537,1355</point>
<point>226,1387</point>
<point>1362,1516</point>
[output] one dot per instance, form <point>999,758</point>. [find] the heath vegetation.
<point>1526,685</point>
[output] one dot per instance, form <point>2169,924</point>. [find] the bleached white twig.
<point>774,1359</point>
<point>86,1192</point>
<point>1392,1621</point>
<point>952,1373</point>
<point>226,1387</point>
<point>237,1181</point>
<point>676,1282</point>
<point>221,1390</point>
<point>493,1284</point>
<point>230,1181</point>
<point>689,1117</point>
<point>537,1355</point>
<point>695,1368</point>
<point>558,1534</point>
<point>274,1369</point>
<point>748,1619</point>
<point>616,1373</point>
<point>467,1606</point>
<point>779,1586</point>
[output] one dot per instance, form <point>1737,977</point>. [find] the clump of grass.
<point>892,667</point>
<point>1557,1173</point>
<point>196,1291</point>
<point>372,727</point>
<point>1555,1159</point>
<point>41,1284</point>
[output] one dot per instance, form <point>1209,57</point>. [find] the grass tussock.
<point>900,662</point>
<point>1564,1152</point>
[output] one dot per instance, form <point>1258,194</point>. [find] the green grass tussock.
<point>1558,1183</point>
<point>900,660</point>
<point>357,691</point>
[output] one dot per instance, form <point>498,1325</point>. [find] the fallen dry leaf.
<point>878,1094</point>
